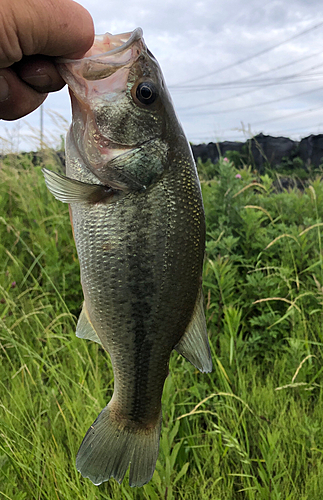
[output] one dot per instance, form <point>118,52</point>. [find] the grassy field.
<point>252,429</point>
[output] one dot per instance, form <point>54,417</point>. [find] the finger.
<point>49,27</point>
<point>40,73</point>
<point>57,28</point>
<point>16,98</point>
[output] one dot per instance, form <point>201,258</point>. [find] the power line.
<point>257,82</point>
<point>236,138</point>
<point>248,58</point>
<point>277,119</point>
<point>213,137</point>
<point>245,78</point>
<point>297,113</point>
<point>250,106</point>
<point>311,127</point>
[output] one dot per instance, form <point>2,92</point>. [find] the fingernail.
<point>4,89</point>
<point>40,81</point>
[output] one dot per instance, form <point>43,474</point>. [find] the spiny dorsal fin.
<point>84,328</point>
<point>72,191</point>
<point>194,344</point>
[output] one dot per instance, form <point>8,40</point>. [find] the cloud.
<point>257,42</point>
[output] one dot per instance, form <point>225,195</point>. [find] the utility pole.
<point>41,125</point>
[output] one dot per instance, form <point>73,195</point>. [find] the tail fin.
<point>109,446</point>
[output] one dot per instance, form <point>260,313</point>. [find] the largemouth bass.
<point>138,221</point>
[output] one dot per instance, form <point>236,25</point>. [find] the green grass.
<point>252,429</point>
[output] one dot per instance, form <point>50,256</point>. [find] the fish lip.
<point>135,35</point>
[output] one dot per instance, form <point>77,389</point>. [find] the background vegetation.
<point>252,429</point>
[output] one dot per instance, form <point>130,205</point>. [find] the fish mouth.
<point>95,81</point>
<point>113,43</point>
<point>107,54</point>
<point>102,74</point>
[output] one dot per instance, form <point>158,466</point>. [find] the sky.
<point>234,68</point>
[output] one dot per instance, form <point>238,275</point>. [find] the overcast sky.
<point>234,68</point>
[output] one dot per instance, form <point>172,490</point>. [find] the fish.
<point>139,228</point>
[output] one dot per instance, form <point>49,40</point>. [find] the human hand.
<point>32,32</point>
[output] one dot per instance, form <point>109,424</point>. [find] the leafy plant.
<point>251,429</point>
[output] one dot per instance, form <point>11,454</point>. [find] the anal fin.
<point>194,344</point>
<point>84,328</point>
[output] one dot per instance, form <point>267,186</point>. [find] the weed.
<point>250,430</point>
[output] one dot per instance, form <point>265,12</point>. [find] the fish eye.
<point>146,93</point>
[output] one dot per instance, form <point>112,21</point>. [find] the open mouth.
<point>112,44</point>
<point>97,81</point>
<point>107,54</point>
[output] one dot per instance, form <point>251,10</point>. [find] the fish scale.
<point>139,229</point>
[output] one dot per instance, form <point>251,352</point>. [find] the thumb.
<point>47,27</point>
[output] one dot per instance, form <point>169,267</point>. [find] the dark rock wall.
<point>311,149</point>
<point>265,149</point>
<point>213,150</point>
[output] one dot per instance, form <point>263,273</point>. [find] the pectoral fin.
<point>84,328</point>
<point>72,191</point>
<point>194,344</point>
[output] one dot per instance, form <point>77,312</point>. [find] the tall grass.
<point>252,429</point>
